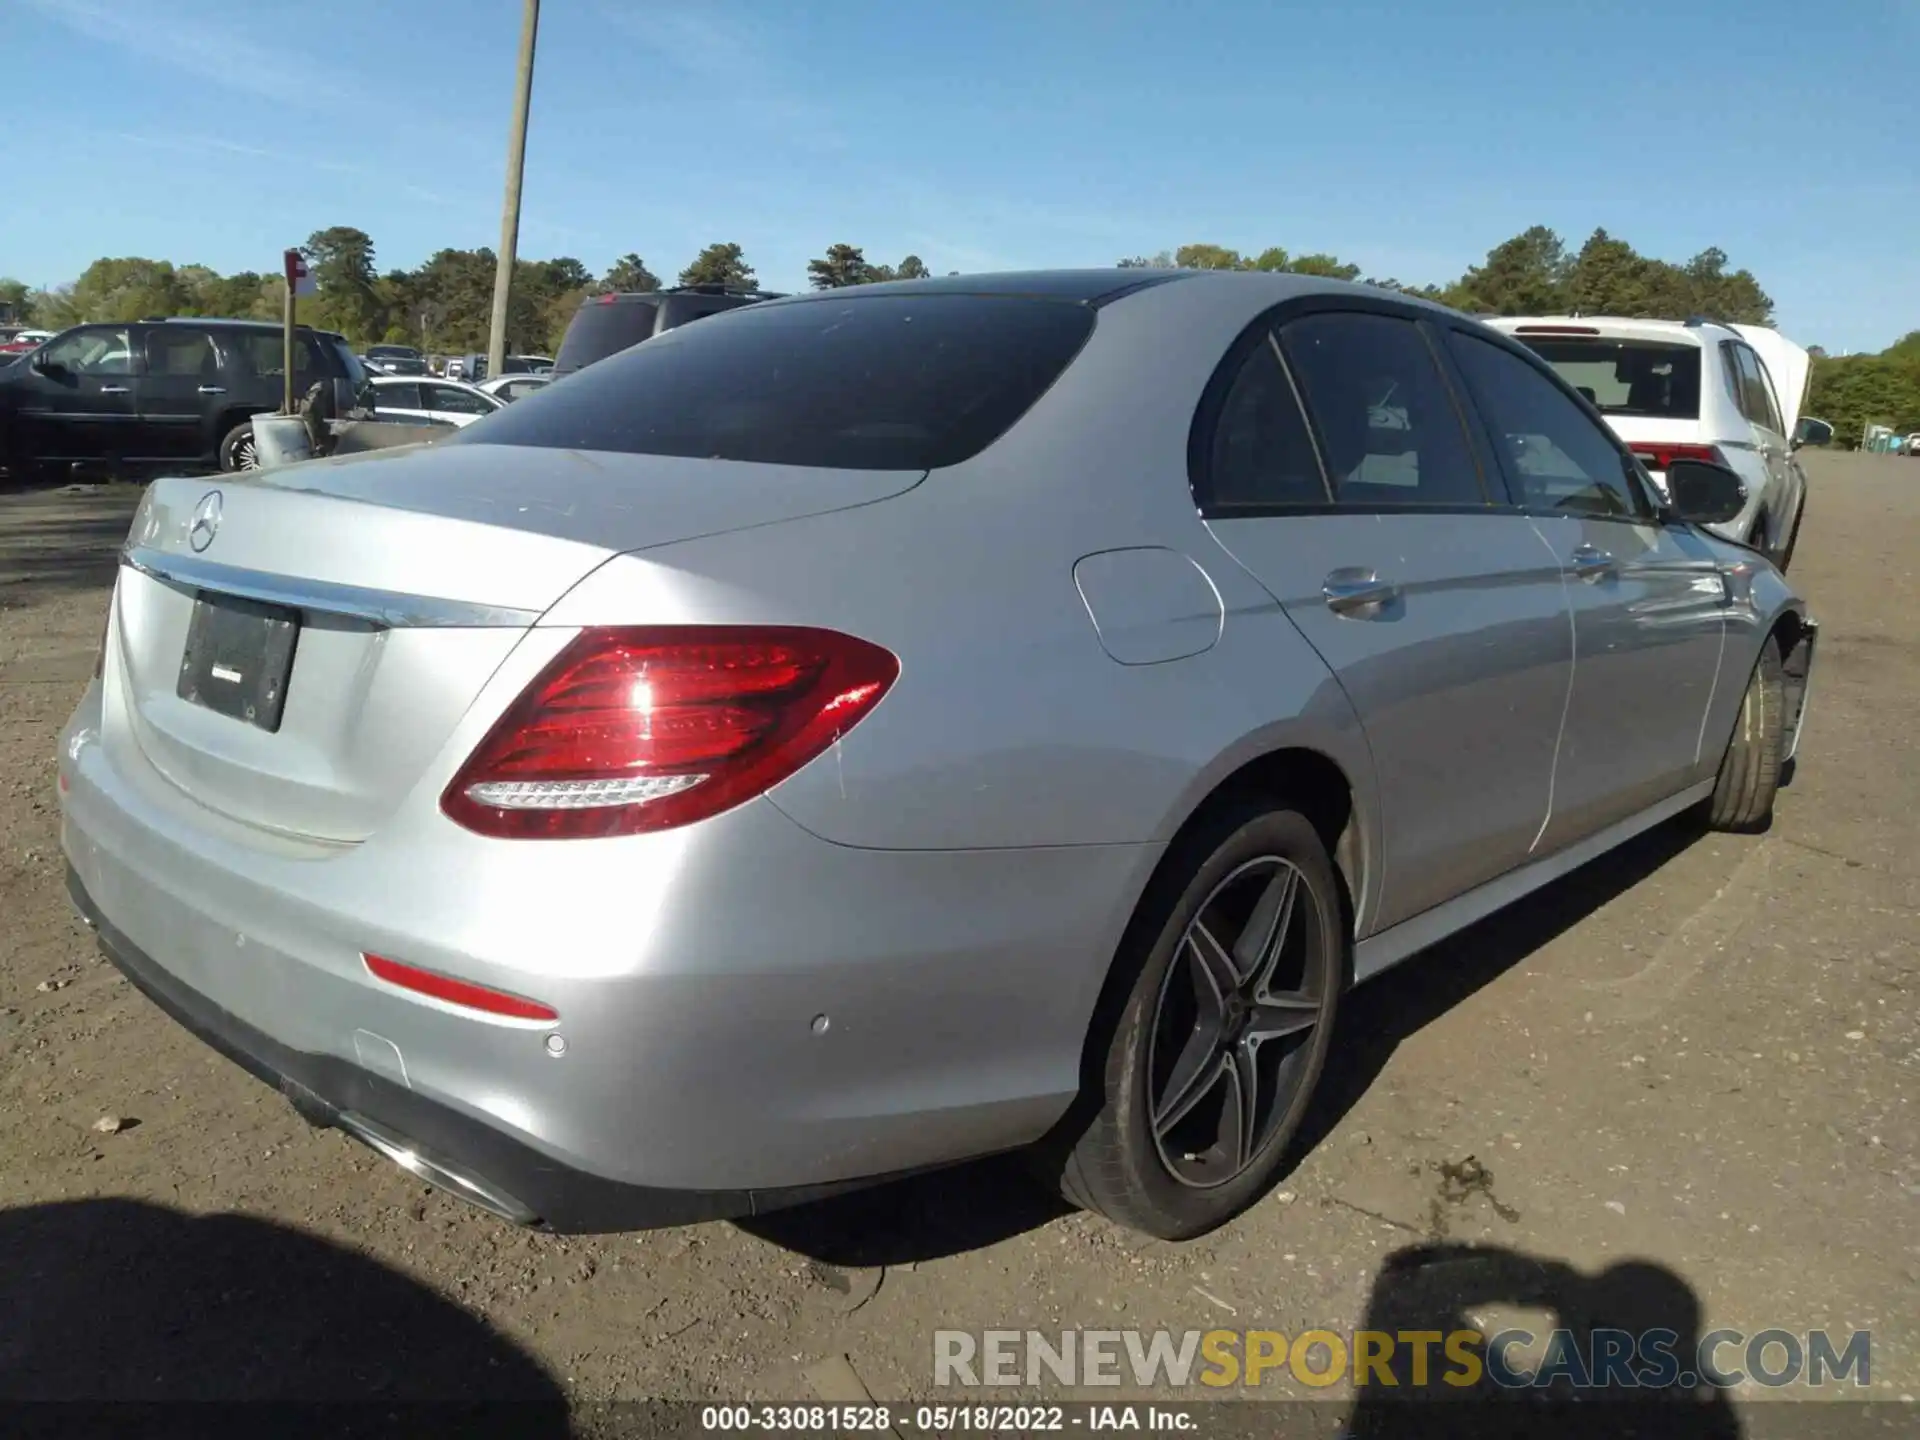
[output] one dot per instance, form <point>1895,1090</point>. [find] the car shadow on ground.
<point>981,1203</point>
<point>1443,1290</point>
<point>118,1301</point>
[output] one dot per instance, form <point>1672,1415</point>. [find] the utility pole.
<point>510,210</point>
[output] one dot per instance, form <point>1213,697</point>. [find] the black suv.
<point>607,324</point>
<point>150,394</point>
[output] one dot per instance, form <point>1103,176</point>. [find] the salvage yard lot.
<point>1700,1052</point>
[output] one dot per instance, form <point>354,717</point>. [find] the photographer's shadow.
<point>1436,1288</point>
<point>121,1301</point>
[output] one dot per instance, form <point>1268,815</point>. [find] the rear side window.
<point>1756,395</point>
<point>397,397</point>
<point>1259,453</point>
<point>181,353</point>
<point>1644,378</point>
<point>878,383</point>
<point>1389,432</point>
<point>259,352</point>
<point>1557,456</point>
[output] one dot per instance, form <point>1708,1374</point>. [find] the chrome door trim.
<point>390,609</point>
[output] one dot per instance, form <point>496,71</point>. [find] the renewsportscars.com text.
<point>1460,1359</point>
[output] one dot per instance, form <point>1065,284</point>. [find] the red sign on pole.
<point>298,280</point>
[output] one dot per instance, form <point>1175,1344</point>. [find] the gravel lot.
<point>1698,1055</point>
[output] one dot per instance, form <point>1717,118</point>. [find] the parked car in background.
<point>1695,389</point>
<point>20,341</point>
<point>177,394</point>
<point>405,400</point>
<point>395,360</point>
<point>472,368</point>
<point>512,387</point>
<point>704,875</point>
<point>607,324</point>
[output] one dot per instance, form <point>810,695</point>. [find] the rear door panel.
<point>1460,672</point>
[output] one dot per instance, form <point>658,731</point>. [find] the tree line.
<point>445,303</point>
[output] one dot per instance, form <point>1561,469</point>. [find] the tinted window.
<point>1556,456</point>
<point>457,402</point>
<point>397,397</point>
<point>604,327</point>
<point>392,352</point>
<point>1259,452</point>
<point>260,352</point>
<point>182,353</point>
<point>1643,378</point>
<point>1388,429</point>
<point>92,352</point>
<point>1756,394</point>
<point>877,383</point>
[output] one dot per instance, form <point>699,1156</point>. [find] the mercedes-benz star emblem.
<point>206,521</point>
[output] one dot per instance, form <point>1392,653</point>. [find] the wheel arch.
<point>1303,775</point>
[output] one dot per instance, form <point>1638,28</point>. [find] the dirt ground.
<point>1677,1088</point>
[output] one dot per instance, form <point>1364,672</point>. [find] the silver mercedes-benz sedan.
<point>868,730</point>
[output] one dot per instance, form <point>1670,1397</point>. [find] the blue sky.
<point>990,135</point>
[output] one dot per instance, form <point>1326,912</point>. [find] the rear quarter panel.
<point>1010,725</point>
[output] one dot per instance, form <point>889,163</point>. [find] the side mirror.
<point>52,369</point>
<point>1704,493</point>
<point>1811,432</point>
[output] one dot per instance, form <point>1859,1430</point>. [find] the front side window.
<point>1388,429</point>
<point>1557,458</point>
<point>98,352</point>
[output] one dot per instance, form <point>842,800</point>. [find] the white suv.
<point>1695,390</point>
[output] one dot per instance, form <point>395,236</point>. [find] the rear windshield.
<point>605,327</point>
<point>892,382</point>
<point>393,352</point>
<point>1627,377</point>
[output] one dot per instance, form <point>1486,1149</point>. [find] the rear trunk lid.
<point>1788,364</point>
<point>410,574</point>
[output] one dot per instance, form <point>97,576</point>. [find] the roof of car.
<point>1087,287</point>
<point>273,325</point>
<point>1574,325</point>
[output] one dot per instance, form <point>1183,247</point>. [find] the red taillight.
<point>457,992</point>
<point>1658,454</point>
<point>645,729</point>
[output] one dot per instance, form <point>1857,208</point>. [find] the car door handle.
<point>1353,590</point>
<point>1590,562</point>
<point>213,389</point>
<point>113,390</point>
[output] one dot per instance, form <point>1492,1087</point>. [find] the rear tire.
<point>1750,770</point>
<point>238,450</point>
<point>1231,969</point>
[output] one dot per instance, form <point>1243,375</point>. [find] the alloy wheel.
<point>1229,1047</point>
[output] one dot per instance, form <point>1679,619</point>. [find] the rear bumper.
<point>442,1146</point>
<point>752,1016</point>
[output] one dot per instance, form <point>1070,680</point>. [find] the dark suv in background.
<point>607,324</point>
<point>147,394</point>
